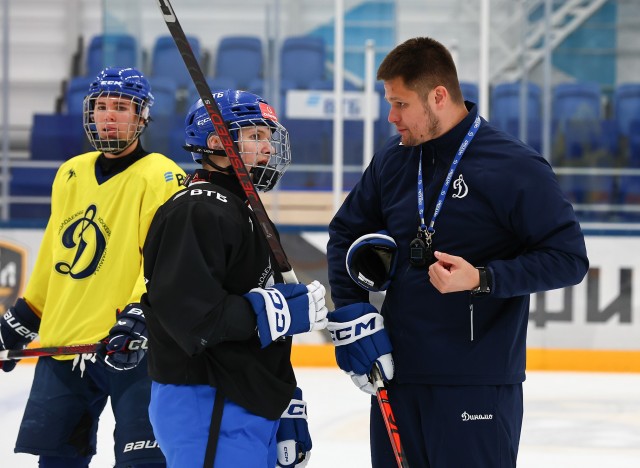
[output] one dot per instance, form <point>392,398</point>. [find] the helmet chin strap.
<point>205,158</point>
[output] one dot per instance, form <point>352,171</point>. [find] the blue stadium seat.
<point>240,59</point>
<point>216,83</point>
<point>166,61</point>
<point>164,92</point>
<point>77,89</point>
<point>577,101</point>
<point>577,114</point>
<point>302,60</point>
<point>111,50</point>
<point>469,91</point>
<point>57,137</point>
<point>505,111</point>
<point>164,116</point>
<point>626,106</point>
<point>29,181</point>
<point>634,143</point>
<point>256,86</point>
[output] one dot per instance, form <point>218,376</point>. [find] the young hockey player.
<point>220,319</point>
<point>89,268</point>
<point>480,223</point>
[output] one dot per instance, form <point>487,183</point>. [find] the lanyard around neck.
<point>428,231</point>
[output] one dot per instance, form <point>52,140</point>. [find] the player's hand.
<point>288,309</point>
<point>294,440</point>
<point>126,344</point>
<point>361,341</point>
<point>19,326</point>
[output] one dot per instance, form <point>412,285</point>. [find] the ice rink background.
<point>572,420</point>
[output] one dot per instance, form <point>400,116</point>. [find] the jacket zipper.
<point>471,317</point>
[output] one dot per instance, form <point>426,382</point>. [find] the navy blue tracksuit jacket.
<point>504,210</point>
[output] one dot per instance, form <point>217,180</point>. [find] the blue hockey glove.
<point>19,326</point>
<point>288,309</point>
<point>294,440</point>
<point>371,261</point>
<point>126,344</point>
<point>361,341</point>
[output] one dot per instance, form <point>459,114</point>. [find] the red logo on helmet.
<point>268,112</point>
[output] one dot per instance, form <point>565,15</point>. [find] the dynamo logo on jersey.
<point>82,235</point>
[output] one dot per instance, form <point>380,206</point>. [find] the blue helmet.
<point>240,109</point>
<point>116,83</point>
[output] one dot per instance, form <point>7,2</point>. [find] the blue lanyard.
<point>429,231</point>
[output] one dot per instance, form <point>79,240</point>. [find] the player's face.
<point>415,121</point>
<point>254,144</point>
<point>115,117</point>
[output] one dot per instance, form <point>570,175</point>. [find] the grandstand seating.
<point>215,84</point>
<point>167,62</point>
<point>111,50</point>
<point>29,181</point>
<point>77,89</point>
<point>239,59</point>
<point>57,137</point>
<point>505,111</point>
<point>626,106</point>
<point>163,116</point>
<point>302,60</point>
<point>577,114</point>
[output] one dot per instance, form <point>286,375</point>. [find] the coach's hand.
<point>126,344</point>
<point>361,341</point>
<point>19,326</point>
<point>288,309</point>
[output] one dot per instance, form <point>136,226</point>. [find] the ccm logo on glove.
<point>277,301</point>
<point>354,330</point>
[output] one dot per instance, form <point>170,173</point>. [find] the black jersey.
<point>204,250</point>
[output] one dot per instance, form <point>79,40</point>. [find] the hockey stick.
<point>8,354</point>
<point>388,417</point>
<point>230,147</point>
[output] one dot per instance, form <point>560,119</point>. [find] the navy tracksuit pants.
<point>450,426</point>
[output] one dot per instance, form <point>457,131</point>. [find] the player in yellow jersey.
<point>86,286</point>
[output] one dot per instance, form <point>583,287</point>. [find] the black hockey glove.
<point>126,344</point>
<point>18,327</point>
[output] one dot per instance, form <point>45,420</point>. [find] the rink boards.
<point>593,326</point>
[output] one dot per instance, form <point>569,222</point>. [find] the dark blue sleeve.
<point>359,214</point>
<point>555,254</point>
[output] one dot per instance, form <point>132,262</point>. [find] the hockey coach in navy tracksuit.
<point>479,223</point>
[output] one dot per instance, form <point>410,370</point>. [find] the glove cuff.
<point>272,313</point>
<point>26,315</point>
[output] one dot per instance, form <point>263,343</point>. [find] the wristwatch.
<point>485,282</point>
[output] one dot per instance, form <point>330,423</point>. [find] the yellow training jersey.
<point>90,260</point>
